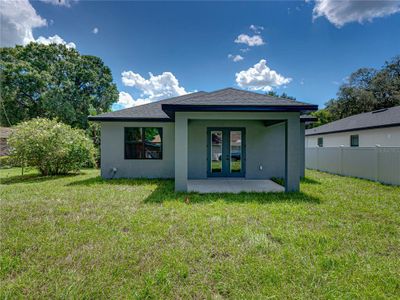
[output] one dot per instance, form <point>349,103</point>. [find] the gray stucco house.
<point>227,133</point>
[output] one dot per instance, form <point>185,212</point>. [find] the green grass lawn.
<point>84,237</point>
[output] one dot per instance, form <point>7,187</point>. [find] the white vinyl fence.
<point>375,163</point>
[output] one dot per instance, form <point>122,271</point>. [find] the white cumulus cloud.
<point>235,58</point>
<point>142,101</point>
<point>95,30</point>
<point>55,39</point>
<point>17,19</point>
<point>256,28</point>
<point>341,12</point>
<point>260,77</point>
<point>255,40</point>
<point>156,87</point>
<point>125,100</point>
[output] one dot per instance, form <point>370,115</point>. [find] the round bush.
<point>6,162</point>
<point>53,147</point>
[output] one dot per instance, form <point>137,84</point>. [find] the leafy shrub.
<point>53,147</point>
<point>6,162</point>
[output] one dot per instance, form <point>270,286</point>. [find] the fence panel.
<point>389,165</point>
<point>312,158</point>
<point>375,163</point>
<point>359,162</point>
<point>330,160</point>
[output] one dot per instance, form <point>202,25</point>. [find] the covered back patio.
<point>274,147</point>
<point>233,185</point>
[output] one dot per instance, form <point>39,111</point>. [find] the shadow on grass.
<point>306,180</point>
<point>33,178</point>
<point>118,181</point>
<point>309,181</point>
<point>164,192</point>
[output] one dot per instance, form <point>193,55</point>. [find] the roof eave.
<point>170,109</point>
<point>310,119</point>
<point>354,129</point>
<point>127,119</point>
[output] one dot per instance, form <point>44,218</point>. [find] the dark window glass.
<point>152,143</point>
<point>133,134</point>
<point>354,140</point>
<point>320,142</point>
<point>133,143</point>
<point>143,143</point>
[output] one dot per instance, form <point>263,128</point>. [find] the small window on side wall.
<point>143,143</point>
<point>354,140</point>
<point>320,142</point>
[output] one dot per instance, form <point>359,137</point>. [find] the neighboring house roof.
<point>5,132</point>
<point>386,117</point>
<point>229,99</point>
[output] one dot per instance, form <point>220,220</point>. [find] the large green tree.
<point>53,81</point>
<point>323,116</point>
<point>367,90</point>
<point>283,95</point>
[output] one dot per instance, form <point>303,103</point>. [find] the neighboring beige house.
<point>380,127</point>
<point>4,134</point>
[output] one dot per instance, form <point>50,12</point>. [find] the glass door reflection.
<point>226,152</point>
<point>216,151</point>
<point>235,151</point>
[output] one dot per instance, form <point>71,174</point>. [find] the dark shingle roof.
<point>375,119</point>
<point>226,97</point>
<point>231,96</point>
<point>146,111</point>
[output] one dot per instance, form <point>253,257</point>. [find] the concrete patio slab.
<point>233,185</point>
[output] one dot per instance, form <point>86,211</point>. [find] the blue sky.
<point>304,57</point>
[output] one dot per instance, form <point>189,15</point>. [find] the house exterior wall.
<point>186,156</point>
<point>385,137</point>
<point>265,147</point>
<point>112,152</point>
<point>292,140</point>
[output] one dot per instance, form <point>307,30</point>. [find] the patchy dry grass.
<point>84,237</point>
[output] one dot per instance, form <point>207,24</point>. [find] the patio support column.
<point>302,150</point>
<point>181,152</point>
<point>292,151</point>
